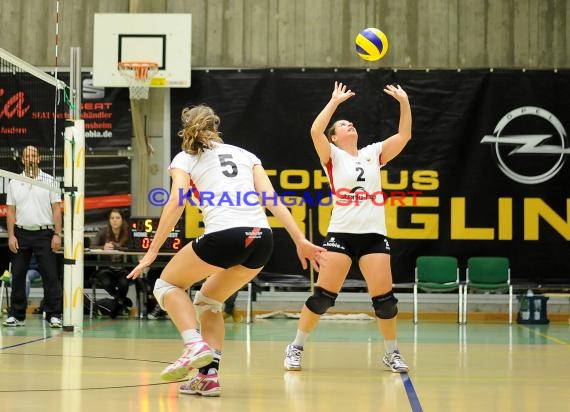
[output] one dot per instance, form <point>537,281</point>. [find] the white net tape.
<point>139,76</point>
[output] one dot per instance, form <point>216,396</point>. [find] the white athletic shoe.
<point>12,321</point>
<point>395,362</point>
<point>293,357</point>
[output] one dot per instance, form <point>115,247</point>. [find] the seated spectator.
<point>114,236</point>
<point>32,274</point>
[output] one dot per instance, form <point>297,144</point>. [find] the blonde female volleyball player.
<point>357,228</point>
<point>236,244</point>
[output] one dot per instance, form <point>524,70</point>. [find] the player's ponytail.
<point>199,129</point>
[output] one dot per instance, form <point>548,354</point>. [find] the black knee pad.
<point>321,300</point>
<point>385,305</point>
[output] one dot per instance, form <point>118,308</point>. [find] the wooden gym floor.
<point>114,365</point>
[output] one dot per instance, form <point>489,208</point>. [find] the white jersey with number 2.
<point>222,186</point>
<point>354,180</point>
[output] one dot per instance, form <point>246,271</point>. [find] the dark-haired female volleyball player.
<point>357,228</point>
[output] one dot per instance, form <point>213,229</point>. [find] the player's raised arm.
<point>322,145</point>
<point>392,146</point>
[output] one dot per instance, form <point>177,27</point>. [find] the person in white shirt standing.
<point>357,229</point>
<point>230,186</point>
<point>34,227</point>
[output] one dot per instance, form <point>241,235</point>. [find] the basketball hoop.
<point>138,75</point>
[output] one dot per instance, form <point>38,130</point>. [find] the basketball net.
<point>139,75</point>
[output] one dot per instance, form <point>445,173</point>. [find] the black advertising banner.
<point>27,110</point>
<point>487,158</point>
<point>27,107</point>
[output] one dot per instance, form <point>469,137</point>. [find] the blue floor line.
<point>411,392</point>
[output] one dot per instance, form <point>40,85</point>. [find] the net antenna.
<point>139,76</point>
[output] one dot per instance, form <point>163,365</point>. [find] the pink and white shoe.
<point>204,385</point>
<point>195,355</point>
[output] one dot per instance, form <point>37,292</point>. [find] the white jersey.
<point>33,203</point>
<point>222,187</point>
<point>353,181</point>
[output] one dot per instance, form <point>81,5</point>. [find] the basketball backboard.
<point>161,38</point>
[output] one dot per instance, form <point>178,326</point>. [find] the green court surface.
<point>283,330</point>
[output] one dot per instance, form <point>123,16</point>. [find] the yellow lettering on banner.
<point>298,211</point>
<point>459,230</point>
<point>534,209</point>
<point>302,175</point>
<point>505,218</point>
<point>429,221</point>
<point>193,222</point>
<point>300,179</point>
<point>425,180</point>
<point>324,214</point>
<point>320,179</point>
<point>421,180</point>
<point>401,185</point>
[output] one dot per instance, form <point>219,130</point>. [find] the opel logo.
<point>529,144</point>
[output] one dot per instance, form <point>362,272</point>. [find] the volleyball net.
<point>32,110</point>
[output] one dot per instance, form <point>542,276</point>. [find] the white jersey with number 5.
<point>222,186</point>
<point>354,180</point>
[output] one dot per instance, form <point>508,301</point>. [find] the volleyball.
<point>371,44</point>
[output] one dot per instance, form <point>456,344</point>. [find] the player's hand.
<point>55,243</point>
<point>13,244</point>
<point>145,262</point>
<point>396,92</point>
<point>340,93</point>
<point>308,251</point>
